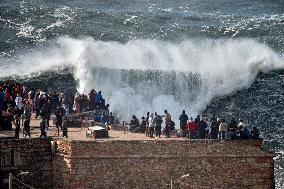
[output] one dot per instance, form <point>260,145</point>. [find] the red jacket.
<point>7,96</point>
<point>191,126</point>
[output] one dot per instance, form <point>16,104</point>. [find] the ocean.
<point>223,57</point>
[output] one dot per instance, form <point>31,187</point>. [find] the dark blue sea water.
<point>223,57</point>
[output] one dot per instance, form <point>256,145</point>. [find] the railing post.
<point>10,181</point>
<point>81,122</point>
<point>123,124</point>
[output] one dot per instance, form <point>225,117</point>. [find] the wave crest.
<point>151,75</point>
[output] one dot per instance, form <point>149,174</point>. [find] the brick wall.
<point>154,163</point>
<point>27,155</point>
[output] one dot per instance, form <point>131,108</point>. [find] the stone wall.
<point>158,163</point>
<point>29,156</point>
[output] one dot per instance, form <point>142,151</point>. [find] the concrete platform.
<point>79,133</point>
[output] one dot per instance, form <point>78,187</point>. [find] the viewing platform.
<point>132,160</point>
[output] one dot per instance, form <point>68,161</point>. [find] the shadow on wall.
<point>28,160</point>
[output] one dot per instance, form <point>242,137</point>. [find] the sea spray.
<point>152,75</point>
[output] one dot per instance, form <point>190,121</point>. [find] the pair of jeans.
<point>222,135</point>
<point>151,131</point>
<point>167,130</point>
<point>158,130</point>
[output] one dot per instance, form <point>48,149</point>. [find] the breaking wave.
<point>152,75</point>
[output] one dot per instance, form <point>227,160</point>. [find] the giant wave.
<point>152,75</point>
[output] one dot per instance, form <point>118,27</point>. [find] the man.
<point>28,108</point>
<point>143,125</point>
<point>59,113</point>
<point>48,113</point>
<point>158,124</point>
<point>147,124</point>
<point>232,129</point>
<point>134,123</point>
<point>17,116</point>
<point>168,122</point>
<point>222,129</point>
<point>27,125</point>
<point>183,121</point>
<point>214,128</point>
<point>91,97</point>
<point>201,131</point>
<point>44,111</point>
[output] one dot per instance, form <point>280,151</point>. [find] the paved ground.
<point>80,133</point>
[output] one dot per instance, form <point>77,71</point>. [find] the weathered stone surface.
<point>27,155</point>
<point>139,163</point>
<point>153,164</point>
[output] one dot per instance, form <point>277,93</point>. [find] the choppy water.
<point>217,56</point>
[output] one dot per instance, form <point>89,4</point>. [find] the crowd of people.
<point>193,128</point>
<point>18,103</point>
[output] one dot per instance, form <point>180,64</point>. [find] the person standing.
<point>59,113</point>
<point>98,99</point>
<point>76,105</point>
<point>191,128</point>
<point>208,128</point>
<point>201,131</point>
<point>19,101</point>
<point>168,122</point>
<point>17,116</point>
<point>31,96</point>
<point>158,124</point>
<point>232,129</point>
<point>214,128</point>
<point>48,113</point>
<point>147,124</point>
<point>254,134</point>
<point>37,105</point>
<point>222,129</point>
<point>28,108</point>
<point>151,125</point>
<point>91,97</point>
<point>183,121</point>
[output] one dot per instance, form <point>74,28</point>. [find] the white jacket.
<point>19,102</point>
<point>151,121</point>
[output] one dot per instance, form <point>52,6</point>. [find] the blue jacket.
<point>1,100</point>
<point>98,97</point>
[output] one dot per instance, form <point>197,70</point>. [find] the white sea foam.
<point>121,71</point>
<point>29,28</point>
<point>129,19</point>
